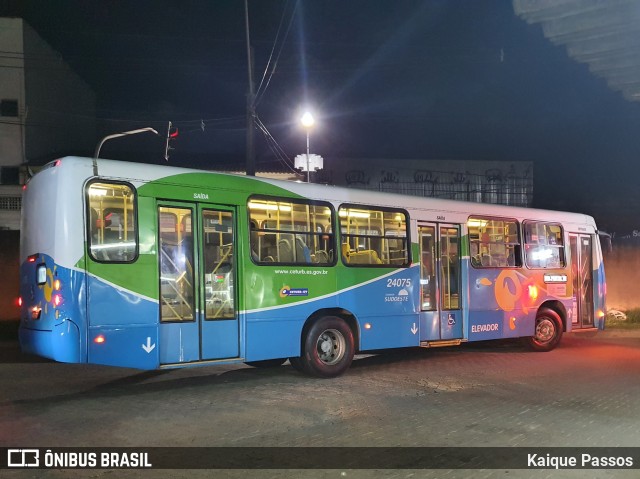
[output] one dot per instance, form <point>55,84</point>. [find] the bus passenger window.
<point>290,232</point>
<point>494,242</point>
<point>544,246</point>
<point>372,236</point>
<point>112,235</point>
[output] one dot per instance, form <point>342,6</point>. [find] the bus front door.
<point>198,317</point>
<point>582,272</point>
<point>440,284</point>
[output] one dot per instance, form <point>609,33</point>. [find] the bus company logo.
<point>23,458</point>
<point>287,291</point>
<point>401,297</point>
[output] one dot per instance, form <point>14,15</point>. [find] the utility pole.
<point>251,153</point>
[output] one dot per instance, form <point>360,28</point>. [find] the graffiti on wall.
<point>493,185</point>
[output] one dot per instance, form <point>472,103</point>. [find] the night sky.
<point>464,80</point>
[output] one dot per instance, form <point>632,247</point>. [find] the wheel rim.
<point>331,346</point>
<point>545,330</point>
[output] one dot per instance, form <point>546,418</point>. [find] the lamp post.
<point>307,121</point>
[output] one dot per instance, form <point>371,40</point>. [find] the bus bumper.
<point>60,344</point>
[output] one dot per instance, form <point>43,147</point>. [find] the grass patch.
<point>632,321</point>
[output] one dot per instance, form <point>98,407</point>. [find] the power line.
<point>259,93</point>
<point>273,145</point>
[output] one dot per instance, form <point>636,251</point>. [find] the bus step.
<point>205,362</point>
<point>440,344</point>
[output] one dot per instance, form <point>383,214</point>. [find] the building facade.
<point>44,108</point>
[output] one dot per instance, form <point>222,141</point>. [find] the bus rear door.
<point>198,314</point>
<point>440,296</point>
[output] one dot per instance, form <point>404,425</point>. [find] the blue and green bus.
<point>150,266</point>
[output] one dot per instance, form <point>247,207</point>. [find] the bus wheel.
<point>266,363</point>
<point>548,331</point>
<point>328,348</point>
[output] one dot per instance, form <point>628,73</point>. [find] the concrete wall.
<point>61,106</point>
<point>12,88</point>
<point>56,108</point>
<point>622,268</point>
<point>507,183</point>
<point>10,206</point>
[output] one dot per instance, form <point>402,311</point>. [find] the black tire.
<point>548,331</point>
<point>266,363</point>
<point>328,348</point>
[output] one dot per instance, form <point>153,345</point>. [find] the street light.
<point>307,121</point>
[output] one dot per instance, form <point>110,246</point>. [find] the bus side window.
<point>544,247</point>
<point>494,242</point>
<point>374,236</point>
<point>290,231</point>
<point>112,229</point>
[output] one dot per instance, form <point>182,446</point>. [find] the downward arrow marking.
<point>150,347</point>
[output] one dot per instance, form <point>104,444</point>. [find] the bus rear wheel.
<point>548,331</point>
<point>328,348</point>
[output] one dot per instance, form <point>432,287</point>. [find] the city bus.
<point>152,267</point>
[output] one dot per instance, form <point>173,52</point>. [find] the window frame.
<point>562,247</point>
<point>382,237</point>
<point>518,245</point>
<point>88,225</point>
<point>303,234</point>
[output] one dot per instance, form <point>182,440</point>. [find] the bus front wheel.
<point>548,331</point>
<point>328,348</point>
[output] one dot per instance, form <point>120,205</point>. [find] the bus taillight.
<point>19,301</point>
<point>32,258</point>
<point>57,299</point>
